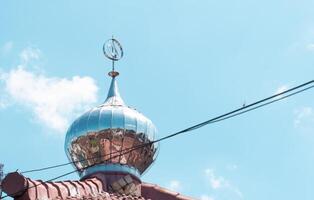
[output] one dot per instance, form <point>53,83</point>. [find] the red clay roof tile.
<point>89,189</point>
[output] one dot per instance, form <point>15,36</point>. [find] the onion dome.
<point>100,140</point>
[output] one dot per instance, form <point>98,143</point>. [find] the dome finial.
<point>113,50</point>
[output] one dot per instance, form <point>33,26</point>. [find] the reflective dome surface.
<point>99,140</point>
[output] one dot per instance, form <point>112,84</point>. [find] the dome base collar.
<point>110,168</point>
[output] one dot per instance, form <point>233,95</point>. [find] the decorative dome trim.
<point>109,168</point>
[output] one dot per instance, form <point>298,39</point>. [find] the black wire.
<point>237,110</point>
<point>265,104</point>
<point>68,173</point>
<point>190,128</point>
<point>214,120</point>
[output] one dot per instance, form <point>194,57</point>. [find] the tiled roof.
<point>153,191</point>
<point>22,188</point>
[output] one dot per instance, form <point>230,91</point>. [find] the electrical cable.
<point>219,118</point>
<point>265,104</point>
<point>213,120</point>
<point>63,175</point>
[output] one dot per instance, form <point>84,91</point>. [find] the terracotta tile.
<point>91,189</point>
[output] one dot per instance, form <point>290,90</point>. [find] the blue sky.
<point>185,61</point>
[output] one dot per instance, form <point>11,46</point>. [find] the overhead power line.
<point>253,106</point>
<point>233,113</point>
<point>264,104</point>
<point>63,175</point>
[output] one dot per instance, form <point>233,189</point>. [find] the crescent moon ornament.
<point>113,49</point>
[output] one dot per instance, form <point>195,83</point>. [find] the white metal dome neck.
<point>113,97</point>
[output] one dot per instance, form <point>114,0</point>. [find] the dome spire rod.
<point>113,51</point>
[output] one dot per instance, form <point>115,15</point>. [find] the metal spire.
<point>113,97</point>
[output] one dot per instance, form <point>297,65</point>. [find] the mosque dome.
<point>101,139</point>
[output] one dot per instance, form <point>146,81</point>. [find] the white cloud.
<point>310,47</point>
<point>4,100</point>
<point>206,197</point>
<point>29,54</point>
<point>215,182</point>
<point>175,185</point>
<point>304,117</point>
<point>219,182</point>
<point>7,47</point>
<point>54,101</point>
<point>281,89</point>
